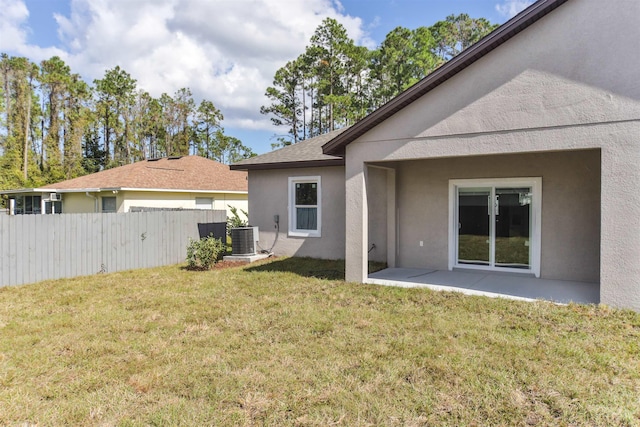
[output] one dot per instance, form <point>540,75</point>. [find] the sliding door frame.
<point>536,220</point>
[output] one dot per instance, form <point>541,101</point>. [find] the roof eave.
<point>117,189</point>
<point>20,191</point>
<point>289,165</point>
<point>467,57</point>
<point>181,190</point>
<point>49,190</point>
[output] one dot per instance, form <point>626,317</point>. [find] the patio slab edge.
<point>442,288</point>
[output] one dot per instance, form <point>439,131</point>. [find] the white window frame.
<point>536,219</point>
<point>293,230</point>
<point>204,206</point>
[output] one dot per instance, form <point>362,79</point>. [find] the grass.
<point>287,342</point>
<point>509,250</point>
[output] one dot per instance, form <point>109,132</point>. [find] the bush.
<point>203,253</point>
<point>235,221</point>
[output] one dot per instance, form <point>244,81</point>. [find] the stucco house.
<point>520,156</point>
<point>181,182</point>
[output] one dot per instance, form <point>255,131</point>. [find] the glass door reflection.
<point>474,226</point>
<point>512,211</point>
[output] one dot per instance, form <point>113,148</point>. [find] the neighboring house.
<point>186,182</point>
<point>521,154</point>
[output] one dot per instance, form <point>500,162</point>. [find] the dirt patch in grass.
<point>221,265</point>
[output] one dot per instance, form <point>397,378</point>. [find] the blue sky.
<point>226,51</point>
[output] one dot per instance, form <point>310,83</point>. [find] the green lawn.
<point>289,343</point>
<point>509,250</point>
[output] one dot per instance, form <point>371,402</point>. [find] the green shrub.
<point>203,253</point>
<point>235,221</point>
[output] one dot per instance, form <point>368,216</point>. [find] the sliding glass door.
<point>474,226</point>
<point>494,226</point>
<point>512,219</point>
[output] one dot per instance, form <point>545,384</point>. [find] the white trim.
<point>536,220</point>
<point>107,189</point>
<point>169,190</point>
<point>48,191</point>
<point>294,232</point>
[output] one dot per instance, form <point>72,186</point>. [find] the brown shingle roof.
<point>305,153</point>
<point>173,173</point>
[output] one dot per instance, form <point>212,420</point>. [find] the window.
<point>53,207</point>
<point>109,204</point>
<point>28,205</point>
<point>305,213</point>
<point>204,203</point>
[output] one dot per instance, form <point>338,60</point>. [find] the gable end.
<point>503,33</point>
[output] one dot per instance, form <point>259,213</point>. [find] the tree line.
<point>55,126</point>
<point>334,83</point>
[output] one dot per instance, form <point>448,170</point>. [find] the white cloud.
<point>14,33</point>
<point>13,16</point>
<point>225,51</point>
<point>510,8</point>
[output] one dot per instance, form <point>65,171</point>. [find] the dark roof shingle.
<point>303,154</point>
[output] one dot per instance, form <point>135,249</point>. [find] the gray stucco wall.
<point>568,82</point>
<point>377,206</point>
<point>570,240</point>
<point>577,66</point>
<point>268,196</point>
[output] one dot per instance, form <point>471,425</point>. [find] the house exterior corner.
<point>520,162</point>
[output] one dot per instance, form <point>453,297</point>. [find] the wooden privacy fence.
<point>41,247</point>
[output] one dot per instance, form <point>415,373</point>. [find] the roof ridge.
<point>161,168</point>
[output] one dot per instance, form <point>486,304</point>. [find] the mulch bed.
<point>220,265</point>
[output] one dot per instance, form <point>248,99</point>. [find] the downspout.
<point>95,201</point>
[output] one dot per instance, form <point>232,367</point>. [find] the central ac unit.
<point>244,240</point>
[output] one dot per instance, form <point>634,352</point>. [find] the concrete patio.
<point>491,284</point>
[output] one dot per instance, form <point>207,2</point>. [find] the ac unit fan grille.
<point>242,241</point>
